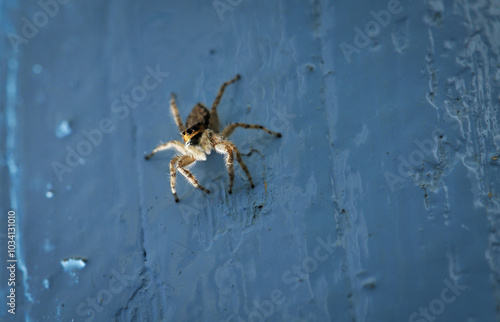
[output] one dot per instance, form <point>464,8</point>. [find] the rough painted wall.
<point>379,203</point>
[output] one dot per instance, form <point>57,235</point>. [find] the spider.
<point>201,135</point>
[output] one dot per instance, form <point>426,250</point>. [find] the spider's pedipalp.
<point>233,126</point>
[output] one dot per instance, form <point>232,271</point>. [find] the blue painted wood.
<point>379,203</point>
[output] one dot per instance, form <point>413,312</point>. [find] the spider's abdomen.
<point>199,115</point>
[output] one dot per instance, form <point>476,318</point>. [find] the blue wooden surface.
<point>379,203</point>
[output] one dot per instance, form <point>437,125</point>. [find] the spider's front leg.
<point>169,145</point>
<point>175,114</point>
<point>228,148</point>
<point>179,163</point>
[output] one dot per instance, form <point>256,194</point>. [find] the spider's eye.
<point>183,133</point>
<point>189,131</point>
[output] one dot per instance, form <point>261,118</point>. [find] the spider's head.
<point>192,135</point>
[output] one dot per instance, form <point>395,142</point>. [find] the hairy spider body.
<point>201,135</point>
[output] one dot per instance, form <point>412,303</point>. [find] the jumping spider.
<point>201,135</point>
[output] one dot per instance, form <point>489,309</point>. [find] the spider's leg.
<point>184,162</point>
<point>214,118</point>
<point>231,127</point>
<point>240,161</point>
<point>169,145</point>
<point>243,165</point>
<point>225,148</point>
<point>175,114</point>
<point>173,175</point>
